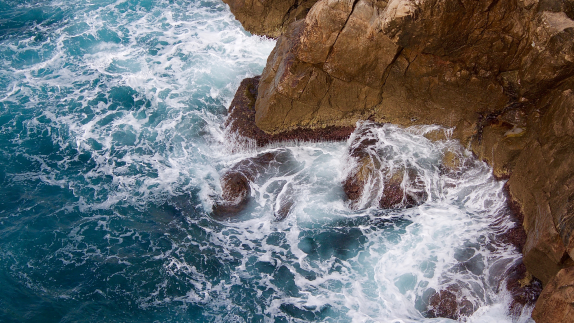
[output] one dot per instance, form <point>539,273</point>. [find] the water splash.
<point>111,149</point>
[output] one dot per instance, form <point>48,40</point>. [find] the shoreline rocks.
<point>500,72</point>
<point>372,181</point>
<point>241,121</point>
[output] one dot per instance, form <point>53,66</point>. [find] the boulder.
<point>237,180</point>
<point>373,181</point>
<point>449,303</point>
<point>236,184</point>
<point>236,192</point>
<point>269,17</point>
<point>556,302</point>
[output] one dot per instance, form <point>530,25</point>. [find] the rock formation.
<point>269,17</point>
<point>374,180</point>
<point>500,72</point>
<point>555,304</point>
<point>236,184</point>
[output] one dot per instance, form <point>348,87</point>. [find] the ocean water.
<point>111,151</point>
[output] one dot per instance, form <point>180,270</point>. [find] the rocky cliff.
<point>500,72</point>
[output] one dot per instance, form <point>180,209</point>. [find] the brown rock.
<point>556,303</point>
<point>501,72</point>
<point>523,287</point>
<point>541,182</point>
<point>236,191</point>
<point>235,184</point>
<point>240,124</point>
<point>269,18</point>
<point>284,203</point>
<point>372,181</point>
<point>448,304</point>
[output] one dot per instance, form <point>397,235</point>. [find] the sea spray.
<point>111,148</point>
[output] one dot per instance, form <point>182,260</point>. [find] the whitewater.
<point>111,150</point>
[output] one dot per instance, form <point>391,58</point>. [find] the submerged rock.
<point>236,192</point>
<point>374,180</point>
<point>448,303</point>
<point>235,184</point>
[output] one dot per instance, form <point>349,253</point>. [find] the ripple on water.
<point>110,153</point>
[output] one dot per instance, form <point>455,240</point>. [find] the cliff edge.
<point>500,72</point>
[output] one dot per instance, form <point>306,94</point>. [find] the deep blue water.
<point>111,148</point>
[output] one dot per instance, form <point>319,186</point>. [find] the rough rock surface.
<point>556,303</point>
<point>447,303</point>
<point>235,184</point>
<point>269,17</point>
<point>240,123</point>
<point>501,72</point>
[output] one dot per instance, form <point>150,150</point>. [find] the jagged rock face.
<point>555,304</point>
<point>500,71</point>
<point>411,62</point>
<point>339,66</point>
<point>269,17</point>
<point>542,182</point>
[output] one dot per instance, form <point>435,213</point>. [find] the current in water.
<point>111,149</point>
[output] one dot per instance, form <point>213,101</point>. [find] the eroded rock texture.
<point>269,17</point>
<point>501,72</point>
<point>556,303</point>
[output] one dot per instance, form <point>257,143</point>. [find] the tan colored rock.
<point>551,58</point>
<point>556,303</point>
<point>500,72</point>
<point>425,89</point>
<point>269,17</point>
<point>542,182</point>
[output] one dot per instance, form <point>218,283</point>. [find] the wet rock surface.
<point>240,122</point>
<point>374,180</point>
<point>523,287</point>
<point>236,191</point>
<point>556,303</point>
<point>500,72</point>
<point>236,184</point>
<point>450,304</point>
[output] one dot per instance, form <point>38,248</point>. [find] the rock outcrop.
<point>269,17</point>
<point>500,72</point>
<point>556,303</point>
<point>236,184</point>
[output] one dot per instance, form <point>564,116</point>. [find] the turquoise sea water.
<point>111,148</point>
